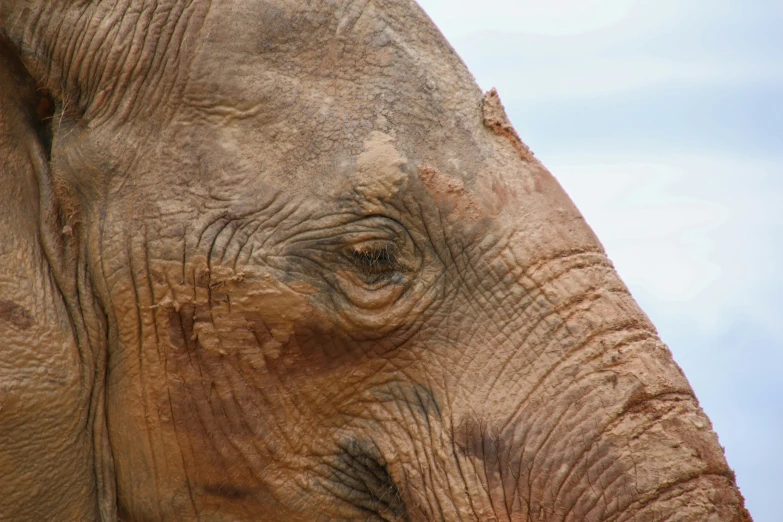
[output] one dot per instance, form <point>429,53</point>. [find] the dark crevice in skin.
<point>42,108</point>
<point>358,475</point>
<point>45,117</point>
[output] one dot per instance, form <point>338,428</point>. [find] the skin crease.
<point>295,266</point>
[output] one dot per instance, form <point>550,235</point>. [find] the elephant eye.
<point>375,259</point>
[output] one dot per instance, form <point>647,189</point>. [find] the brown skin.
<point>283,261</point>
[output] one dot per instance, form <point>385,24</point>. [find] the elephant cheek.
<point>195,384</point>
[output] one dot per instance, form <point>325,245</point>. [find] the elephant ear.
<point>54,461</point>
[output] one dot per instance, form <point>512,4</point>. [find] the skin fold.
<point>283,261</point>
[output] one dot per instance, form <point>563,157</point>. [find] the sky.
<point>663,120</point>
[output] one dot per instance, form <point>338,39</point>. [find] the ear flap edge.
<point>54,451</point>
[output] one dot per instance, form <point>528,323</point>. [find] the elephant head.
<point>281,260</point>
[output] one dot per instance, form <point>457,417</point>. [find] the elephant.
<point>282,260</point>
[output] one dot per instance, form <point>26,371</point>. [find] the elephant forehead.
<point>338,69</point>
<point>327,100</point>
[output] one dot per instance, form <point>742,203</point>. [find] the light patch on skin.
<point>380,169</point>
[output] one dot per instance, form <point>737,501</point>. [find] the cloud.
<point>567,49</point>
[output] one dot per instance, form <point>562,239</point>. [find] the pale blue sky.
<point>663,119</point>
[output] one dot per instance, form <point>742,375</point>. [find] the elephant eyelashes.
<point>375,260</point>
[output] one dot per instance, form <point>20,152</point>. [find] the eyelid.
<point>371,236</point>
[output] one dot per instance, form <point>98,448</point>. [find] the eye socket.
<point>374,255</point>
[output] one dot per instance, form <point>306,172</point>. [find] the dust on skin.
<point>381,171</point>
<point>469,206</point>
<point>492,191</point>
<point>230,306</point>
<point>496,119</point>
<point>451,195</point>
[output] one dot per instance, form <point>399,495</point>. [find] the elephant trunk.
<point>596,420</point>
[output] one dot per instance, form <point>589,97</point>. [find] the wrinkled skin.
<point>281,260</point>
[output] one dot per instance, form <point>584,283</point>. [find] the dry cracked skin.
<point>283,261</point>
